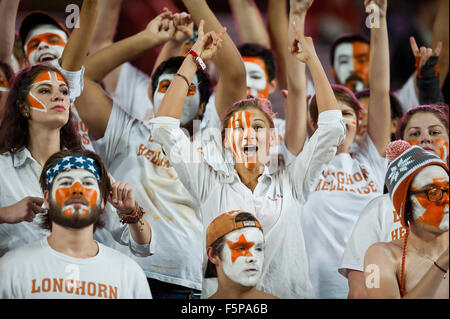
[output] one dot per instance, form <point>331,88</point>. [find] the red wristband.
<point>198,59</point>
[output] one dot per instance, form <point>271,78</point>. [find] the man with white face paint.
<point>70,263</point>
<point>417,265</point>
<point>350,61</point>
<point>43,38</point>
<point>235,249</point>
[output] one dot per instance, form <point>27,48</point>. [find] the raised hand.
<point>122,197</point>
<point>208,44</point>
<point>302,47</point>
<point>24,210</point>
<point>382,5</point>
<point>423,54</point>
<point>184,26</point>
<point>162,27</point>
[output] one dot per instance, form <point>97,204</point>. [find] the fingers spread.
<point>414,47</point>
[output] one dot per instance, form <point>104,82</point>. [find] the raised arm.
<point>379,116</point>
<point>105,28</point>
<point>230,67</point>
<point>8,14</point>
<point>184,29</point>
<point>206,47</point>
<point>101,63</point>
<point>296,107</point>
<point>440,34</point>
<point>278,31</point>
<point>104,33</point>
<point>157,32</point>
<point>303,49</point>
<point>249,22</point>
<point>77,47</point>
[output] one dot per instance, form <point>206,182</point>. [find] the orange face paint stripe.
<point>4,82</point>
<point>240,248</point>
<point>443,148</point>
<point>35,103</point>
<point>262,93</point>
<point>33,44</point>
<point>68,211</point>
<point>65,193</point>
<point>434,211</point>
<point>248,127</point>
<point>164,85</point>
<point>361,48</point>
<point>44,77</point>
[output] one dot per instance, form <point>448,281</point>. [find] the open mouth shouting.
<point>46,57</point>
<point>250,150</point>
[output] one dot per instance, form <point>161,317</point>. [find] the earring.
<point>26,115</point>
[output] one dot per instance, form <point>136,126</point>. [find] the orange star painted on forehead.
<point>240,248</point>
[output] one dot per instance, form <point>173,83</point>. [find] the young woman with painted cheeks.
<point>272,198</point>
<point>426,126</point>
<point>36,124</point>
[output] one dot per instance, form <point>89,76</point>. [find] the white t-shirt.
<point>275,201</point>
<point>407,95</point>
<point>37,271</point>
<point>379,222</point>
<point>132,156</point>
<point>345,187</point>
<point>132,92</point>
<point>19,178</point>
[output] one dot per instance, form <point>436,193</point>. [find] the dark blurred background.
<point>326,20</point>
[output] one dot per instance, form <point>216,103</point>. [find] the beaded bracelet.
<point>132,218</point>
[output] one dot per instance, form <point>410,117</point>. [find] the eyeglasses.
<point>433,194</point>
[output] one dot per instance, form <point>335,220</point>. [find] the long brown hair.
<point>14,131</point>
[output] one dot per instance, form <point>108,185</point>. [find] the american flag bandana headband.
<point>68,163</point>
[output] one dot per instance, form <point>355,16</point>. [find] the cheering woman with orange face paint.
<point>272,198</point>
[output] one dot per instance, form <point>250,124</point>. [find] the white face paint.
<point>45,43</point>
<point>343,61</point>
<point>434,214</point>
<point>256,79</point>
<point>191,104</point>
<point>76,192</point>
<point>243,256</point>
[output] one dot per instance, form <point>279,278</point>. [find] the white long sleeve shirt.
<point>276,200</point>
